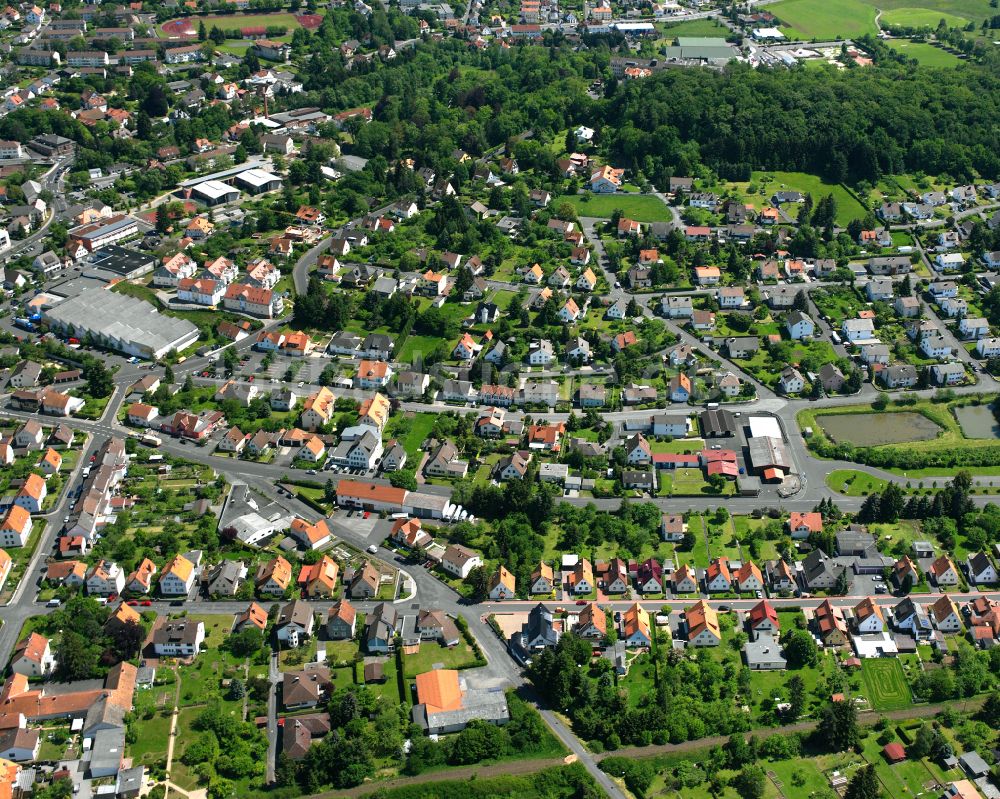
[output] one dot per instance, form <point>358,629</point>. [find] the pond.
<point>873,429</point>
<point>977,421</point>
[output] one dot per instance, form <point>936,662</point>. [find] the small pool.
<point>977,421</point>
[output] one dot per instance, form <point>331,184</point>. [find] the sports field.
<point>926,54</point>
<point>921,18</point>
<point>830,19</point>
<point>640,207</point>
<point>885,683</point>
<point>187,27</point>
<point>824,19</point>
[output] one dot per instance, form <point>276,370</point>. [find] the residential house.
<point>702,623</point>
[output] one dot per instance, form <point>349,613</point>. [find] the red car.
<point>132,602</point>
<point>367,514</point>
<point>581,602</point>
<point>146,603</point>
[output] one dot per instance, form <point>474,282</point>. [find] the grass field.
<point>921,18</point>
<point>886,684</point>
<point>824,19</point>
<point>694,27</point>
<point>640,207</point>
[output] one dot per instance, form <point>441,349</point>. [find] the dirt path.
<point>514,767</point>
<point>173,731</point>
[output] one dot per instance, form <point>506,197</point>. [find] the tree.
<point>237,690</point>
<point>864,785</point>
<point>891,503</point>
<point>100,383</point>
<point>202,32</point>
<point>570,142</point>
<point>796,696</point>
<point>75,657</point>
<point>991,710</point>
<point>479,581</point>
<point>838,727</point>
<point>155,105</point>
<point>800,649</point>
<point>463,282</point>
<point>128,639</point>
<point>168,374</point>
<point>750,782</point>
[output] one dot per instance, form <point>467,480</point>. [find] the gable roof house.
<point>702,623</point>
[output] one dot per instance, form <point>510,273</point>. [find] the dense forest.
<point>436,97</point>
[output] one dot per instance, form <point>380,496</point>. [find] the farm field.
<point>824,19</point>
<point>640,207</point>
<point>885,683</point>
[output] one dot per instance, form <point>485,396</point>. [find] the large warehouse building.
<point>121,323</point>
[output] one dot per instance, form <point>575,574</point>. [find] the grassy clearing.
<point>824,19</point>
<point>926,55</point>
<point>848,207</point>
<point>886,684</point>
<point>432,655</point>
<point>640,207</point>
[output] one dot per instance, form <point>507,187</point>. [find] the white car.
<point>372,549</point>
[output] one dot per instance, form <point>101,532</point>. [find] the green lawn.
<point>886,684</point>
<point>432,655</point>
<point>926,54</point>
<point>420,427</point>
<point>854,483</point>
<point>824,19</point>
<point>691,483</point>
<point>640,207</point>
<point>153,733</point>
<point>416,345</point>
